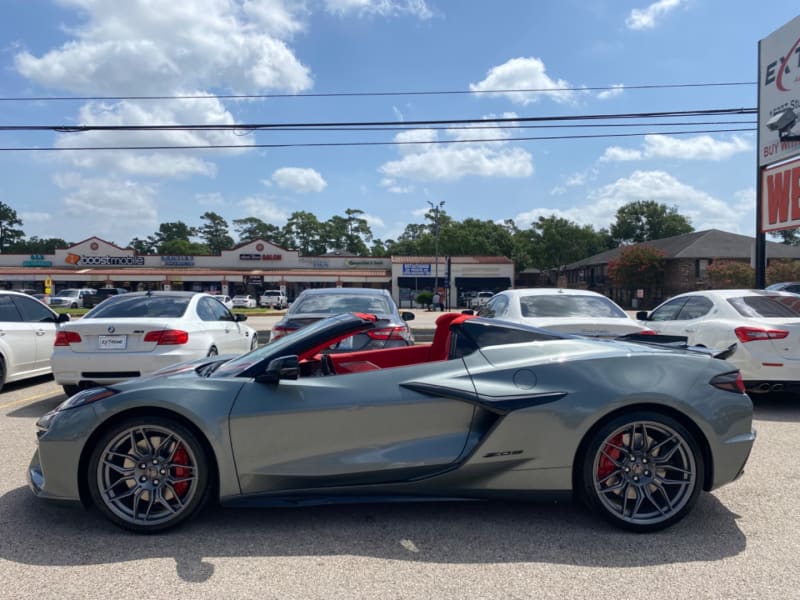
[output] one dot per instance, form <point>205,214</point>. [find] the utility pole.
<point>436,208</point>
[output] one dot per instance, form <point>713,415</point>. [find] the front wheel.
<point>642,471</point>
<point>149,474</point>
<point>71,390</point>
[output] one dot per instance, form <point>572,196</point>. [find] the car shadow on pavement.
<point>38,408</point>
<point>42,534</point>
<point>781,407</point>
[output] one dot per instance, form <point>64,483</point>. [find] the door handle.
<point>40,332</point>
<point>690,330</point>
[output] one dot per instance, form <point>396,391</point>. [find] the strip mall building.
<point>251,268</point>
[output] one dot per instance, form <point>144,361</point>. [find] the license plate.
<point>113,342</point>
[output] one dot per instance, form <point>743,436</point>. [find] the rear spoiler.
<point>679,342</point>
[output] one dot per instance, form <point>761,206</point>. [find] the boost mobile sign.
<point>778,90</point>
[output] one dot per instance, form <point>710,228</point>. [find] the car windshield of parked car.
<point>565,305</point>
<point>332,304</point>
<point>766,306</point>
<point>148,307</point>
<point>68,293</point>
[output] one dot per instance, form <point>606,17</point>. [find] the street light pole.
<point>436,208</point>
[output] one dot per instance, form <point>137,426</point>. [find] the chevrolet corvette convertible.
<point>488,409</point>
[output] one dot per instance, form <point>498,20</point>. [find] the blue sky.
<point>97,48</point>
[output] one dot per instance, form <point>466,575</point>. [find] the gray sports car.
<point>488,409</point>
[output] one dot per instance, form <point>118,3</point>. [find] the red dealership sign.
<point>781,197</point>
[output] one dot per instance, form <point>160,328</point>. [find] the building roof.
<point>473,260</point>
<point>711,243</point>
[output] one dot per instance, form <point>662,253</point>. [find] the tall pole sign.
<point>777,183</point>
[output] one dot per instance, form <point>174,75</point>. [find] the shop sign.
<point>104,261</point>
<point>364,262</point>
<point>177,261</point>
<point>254,256</point>
<point>37,260</point>
<point>781,197</point>
<point>416,269</point>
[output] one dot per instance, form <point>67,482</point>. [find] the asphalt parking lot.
<point>740,542</point>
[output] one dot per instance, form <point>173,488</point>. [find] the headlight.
<point>86,397</point>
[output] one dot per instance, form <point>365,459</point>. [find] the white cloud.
<point>181,45</point>
<point>701,147</point>
<point>704,210</point>
<point>645,18</point>
<point>372,220</point>
<point>614,91</point>
<point>265,209</point>
<point>110,207</point>
<point>38,217</point>
<point>429,161</point>
<point>528,74</point>
<point>382,8</point>
<point>393,188</point>
<point>483,131</point>
<point>616,153</point>
<point>301,181</point>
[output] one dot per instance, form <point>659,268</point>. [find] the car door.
<point>222,326</point>
<point>689,320</point>
<point>352,429</point>
<point>17,339</point>
<point>42,322</point>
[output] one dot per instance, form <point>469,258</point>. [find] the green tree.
<point>9,234</point>
<point>790,237</point>
<point>555,242</point>
<point>141,247</point>
<point>180,247</point>
<point>647,220</point>
<point>215,233</point>
<point>638,266</point>
<point>303,232</point>
<point>731,274</point>
<point>35,245</point>
<point>253,228</point>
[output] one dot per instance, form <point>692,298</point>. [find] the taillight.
<point>730,382</point>
<point>279,331</point>
<point>167,337</point>
<point>751,334</point>
<point>646,332</point>
<point>65,338</point>
<point>389,333</point>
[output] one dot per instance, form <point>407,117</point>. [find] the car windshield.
<point>126,306</point>
<point>278,347</point>
<point>333,303</point>
<point>68,293</point>
<point>272,293</point>
<point>566,305</point>
<point>766,306</point>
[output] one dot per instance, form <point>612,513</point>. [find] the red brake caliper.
<point>181,457</point>
<point>606,465</point>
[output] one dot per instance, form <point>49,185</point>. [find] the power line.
<point>368,124</point>
<point>353,144</point>
<point>367,94</point>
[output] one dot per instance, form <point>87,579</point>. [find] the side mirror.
<point>283,367</point>
<point>642,315</point>
<point>63,318</point>
<point>407,316</point>
<point>468,311</point>
<point>240,317</point>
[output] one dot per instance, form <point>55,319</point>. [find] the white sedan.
<point>27,331</point>
<point>564,310</point>
<point>226,300</point>
<point>244,301</point>
<point>139,333</point>
<point>764,325</point>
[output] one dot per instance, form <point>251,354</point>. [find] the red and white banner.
<point>780,204</point>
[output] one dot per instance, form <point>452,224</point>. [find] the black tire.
<point>642,471</point>
<point>154,471</point>
<point>74,305</point>
<point>71,390</point>
<point>2,373</point>
<point>212,351</point>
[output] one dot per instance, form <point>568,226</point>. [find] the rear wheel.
<point>642,471</point>
<point>149,474</point>
<point>2,373</point>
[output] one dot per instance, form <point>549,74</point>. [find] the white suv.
<point>273,299</point>
<point>71,297</point>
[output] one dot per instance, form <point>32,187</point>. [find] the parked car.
<point>101,294</point>
<point>315,304</point>
<point>786,286</point>
<point>27,331</point>
<point>273,299</point>
<point>226,300</point>
<point>71,297</point>
<point>244,301</point>
<point>488,409</point>
<point>764,325</point>
<point>565,310</point>
<point>136,334</point>
<point>479,299</point>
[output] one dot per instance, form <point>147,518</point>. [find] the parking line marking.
<point>24,400</point>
